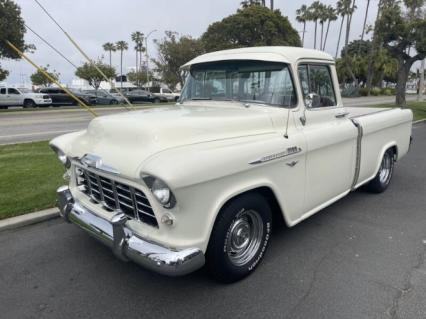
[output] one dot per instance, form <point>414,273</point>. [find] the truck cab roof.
<point>282,54</point>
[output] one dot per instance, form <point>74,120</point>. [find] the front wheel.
<point>384,175</point>
<point>29,103</point>
<point>239,238</point>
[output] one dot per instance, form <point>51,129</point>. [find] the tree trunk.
<point>121,69</point>
<point>326,35</point>
<point>136,69</point>
<point>400,86</point>
<point>303,35</point>
<point>272,4</point>
<point>374,47</point>
<point>340,34</point>
<point>322,32</point>
<point>365,20</point>
<point>315,37</point>
<point>110,58</point>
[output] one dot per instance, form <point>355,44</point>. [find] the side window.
<point>316,79</point>
<point>3,91</point>
<point>14,91</point>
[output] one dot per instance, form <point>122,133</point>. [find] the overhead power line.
<point>51,46</point>
<point>84,54</point>
<point>61,54</point>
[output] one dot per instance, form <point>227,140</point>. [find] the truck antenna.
<point>286,126</point>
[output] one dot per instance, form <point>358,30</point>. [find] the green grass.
<point>29,176</point>
<point>418,108</point>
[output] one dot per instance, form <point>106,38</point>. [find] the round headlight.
<point>160,190</point>
<point>62,157</point>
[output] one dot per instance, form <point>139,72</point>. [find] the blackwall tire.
<point>382,180</point>
<point>239,238</point>
<point>29,103</point>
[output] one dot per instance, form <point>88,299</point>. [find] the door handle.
<point>341,115</point>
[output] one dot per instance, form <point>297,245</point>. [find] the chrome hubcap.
<point>245,237</point>
<point>385,169</point>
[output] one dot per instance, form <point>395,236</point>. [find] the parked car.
<point>265,136</point>
<point>22,97</point>
<point>60,97</point>
<point>165,95</point>
<point>135,96</point>
<point>104,98</point>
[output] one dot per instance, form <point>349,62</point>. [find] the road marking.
<point>37,133</point>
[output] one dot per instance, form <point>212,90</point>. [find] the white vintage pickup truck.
<point>258,134</point>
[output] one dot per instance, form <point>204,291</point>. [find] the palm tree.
<point>121,46</point>
<point>350,13</point>
<point>322,14</point>
<point>302,15</point>
<point>331,16</point>
<point>314,13</point>
<point>137,37</point>
<point>365,20</point>
<point>109,47</point>
<point>343,8</point>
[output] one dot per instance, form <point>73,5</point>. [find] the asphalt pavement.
<point>27,126</point>
<point>362,257</point>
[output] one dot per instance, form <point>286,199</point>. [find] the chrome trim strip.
<point>127,245</point>
<point>94,161</point>
<point>358,153</point>
<point>290,151</point>
<point>378,111</point>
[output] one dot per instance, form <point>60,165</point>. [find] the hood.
<point>36,95</point>
<point>125,140</point>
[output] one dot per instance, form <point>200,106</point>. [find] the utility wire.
<point>61,54</point>
<point>51,46</point>
<point>84,54</point>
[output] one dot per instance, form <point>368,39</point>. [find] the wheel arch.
<point>267,191</point>
<point>391,145</point>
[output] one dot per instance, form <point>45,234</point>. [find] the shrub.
<point>363,91</point>
<point>375,91</point>
<point>386,91</point>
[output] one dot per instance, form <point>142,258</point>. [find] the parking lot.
<point>363,257</point>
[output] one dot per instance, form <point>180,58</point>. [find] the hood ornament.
<point>95,161</point>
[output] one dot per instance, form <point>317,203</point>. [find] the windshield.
<point>245,81</point>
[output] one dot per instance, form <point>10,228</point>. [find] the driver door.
<point>15,97</point>
<point>330,137</point>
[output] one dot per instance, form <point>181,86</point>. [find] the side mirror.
<point>312,100</point>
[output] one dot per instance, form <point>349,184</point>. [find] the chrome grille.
<point>114,195</point>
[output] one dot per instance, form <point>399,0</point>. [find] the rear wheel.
<point>384,175</point>
<point>29,103</point>
<point>239,238</point>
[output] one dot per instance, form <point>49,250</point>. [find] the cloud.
<point>95,22</point>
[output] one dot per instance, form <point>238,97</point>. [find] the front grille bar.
<point>113,195</point>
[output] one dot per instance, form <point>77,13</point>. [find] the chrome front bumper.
<point>125,244</point>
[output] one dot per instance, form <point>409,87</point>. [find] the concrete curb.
<point>419,121</point>
<point>28,219</point>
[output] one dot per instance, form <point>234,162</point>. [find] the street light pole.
<point>147,57</point>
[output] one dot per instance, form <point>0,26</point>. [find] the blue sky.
<point>95,22</point>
